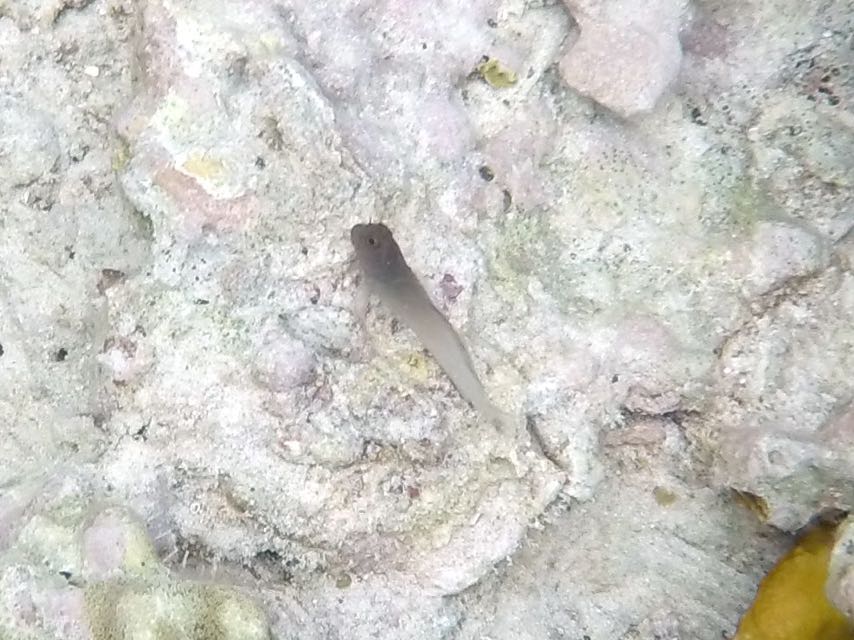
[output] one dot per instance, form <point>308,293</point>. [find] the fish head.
<point>377,252</point>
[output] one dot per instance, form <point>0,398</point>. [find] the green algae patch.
<point>121,156</point>
<point>511,262</point>
<point>52,544</point>
<point>496,74</point>
<point>166,610</point>
<point>664,496</point>
<point>140,557</point>
<point>748,205</point>
<point>526,248</point>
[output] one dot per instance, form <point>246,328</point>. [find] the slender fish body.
<point>390,278</point>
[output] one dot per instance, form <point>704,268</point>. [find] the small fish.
<point>389,277</point>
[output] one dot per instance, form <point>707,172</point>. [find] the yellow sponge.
<point>790,603</point>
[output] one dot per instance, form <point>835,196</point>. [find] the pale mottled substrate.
<point>609,270</point>
<point>254,391</point>
<point>61,222</point>
<point>665,241</point>
<point>653,554</point>
<point>79,571</point>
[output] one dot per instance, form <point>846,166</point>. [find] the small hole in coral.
<point>508,198</point>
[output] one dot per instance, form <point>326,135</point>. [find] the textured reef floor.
<point>638,215</point>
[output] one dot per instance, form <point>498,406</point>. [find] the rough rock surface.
<point>250,199</point>
<point>77,572</point>
<point>669,300</point>
<point>840,582</point>
<point>650,531</point>
<point>627,52</point>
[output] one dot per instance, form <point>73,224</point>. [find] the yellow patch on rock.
<point>496,74</point>
<point>203,167</point>
<point>791,603</point>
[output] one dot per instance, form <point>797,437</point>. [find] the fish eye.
<point>372,241</point>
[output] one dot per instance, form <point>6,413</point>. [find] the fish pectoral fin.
<point>361,303</point>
